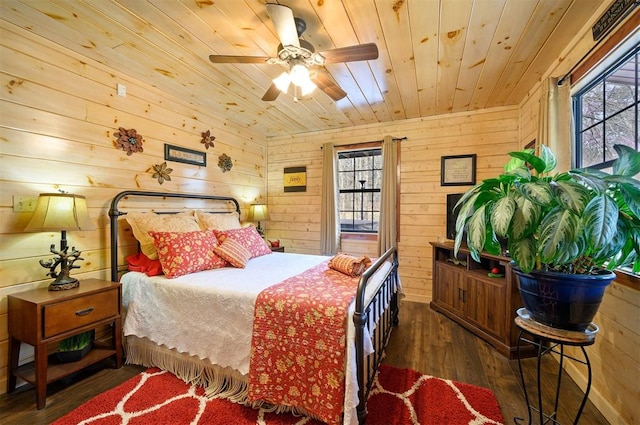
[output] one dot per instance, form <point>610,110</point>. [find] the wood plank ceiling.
<point>436,56</point>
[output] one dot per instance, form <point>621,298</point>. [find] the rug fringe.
<point>218,382</point>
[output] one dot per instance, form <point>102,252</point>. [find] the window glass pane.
<point>377,196</point>
<point>362,163</point>
<point>346,164</point>
<point>592,106</point>
<point>346,180</point>
<point>620,89</point>
<point>619,130</point>
<point>346,202</point>
<point>592,146</point>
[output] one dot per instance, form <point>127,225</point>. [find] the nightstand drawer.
<point>74,313</point>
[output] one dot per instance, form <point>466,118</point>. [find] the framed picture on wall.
<point>458,170</point>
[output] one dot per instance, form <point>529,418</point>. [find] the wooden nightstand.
<point>40,317</point>
<point>277,249</point>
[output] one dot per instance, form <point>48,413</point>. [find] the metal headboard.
<point>114,213</point>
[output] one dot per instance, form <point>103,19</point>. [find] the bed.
<point>200,325</point>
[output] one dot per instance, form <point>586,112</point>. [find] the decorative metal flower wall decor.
<point>161,172</point>
<point>129,141</point>
<point>207,139</point>
<point>224,162</point>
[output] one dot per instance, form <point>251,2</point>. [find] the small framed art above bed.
<point>206,299</point>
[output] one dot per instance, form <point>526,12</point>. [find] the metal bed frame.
<point>383,305</point>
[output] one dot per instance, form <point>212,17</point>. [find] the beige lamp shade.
<point>60,211</point>
<point>258,212</point>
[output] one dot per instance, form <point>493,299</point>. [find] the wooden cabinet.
<point>40,317</point>
<point>464,291</point>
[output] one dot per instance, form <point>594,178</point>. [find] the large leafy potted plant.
<point>574,227</point>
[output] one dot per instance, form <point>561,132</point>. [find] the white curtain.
<point>554,122</point>
<point>330,218</point>
<point>387,230</point>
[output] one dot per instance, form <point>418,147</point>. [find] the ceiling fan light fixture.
<point>299,75</point>
<point>282,82</point>
<point>307,87</point>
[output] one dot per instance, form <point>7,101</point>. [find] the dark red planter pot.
<point>564,301</point>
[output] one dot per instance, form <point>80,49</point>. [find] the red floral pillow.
<point>233,252</point>
<point>182,253</point>
<point>247,237</point>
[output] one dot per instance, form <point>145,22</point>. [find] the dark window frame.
<point>372,213</point>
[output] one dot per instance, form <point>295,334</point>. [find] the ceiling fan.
<point>306,71</point>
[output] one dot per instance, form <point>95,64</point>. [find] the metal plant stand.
<point>551,340</point>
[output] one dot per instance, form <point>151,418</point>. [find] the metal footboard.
<point>384,304</point>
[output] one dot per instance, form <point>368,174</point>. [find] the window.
<point>359,182</point>
<point>606,112</point>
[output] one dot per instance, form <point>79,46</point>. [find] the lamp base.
<point>64,284</point>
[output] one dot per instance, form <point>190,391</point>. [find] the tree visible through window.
<point>359,182</point>
<point>606,112</point>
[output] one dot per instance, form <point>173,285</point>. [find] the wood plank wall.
<point>59,114</point>
<point>295,216</point>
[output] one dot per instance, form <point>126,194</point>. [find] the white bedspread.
<point>209,314</point>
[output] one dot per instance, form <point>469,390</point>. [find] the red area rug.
<point>399,397</point>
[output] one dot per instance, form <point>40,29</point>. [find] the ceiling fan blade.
<point>282,17</point>
<point>271,94</point>
<point>238,59</point>
<point>326,84</point>
<point>360,52</point>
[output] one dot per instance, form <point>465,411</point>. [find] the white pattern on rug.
<point>127,416</point>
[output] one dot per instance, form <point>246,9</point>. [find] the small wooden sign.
<point>187,156</point>
<point>612,16</point>
<point>295,179</point>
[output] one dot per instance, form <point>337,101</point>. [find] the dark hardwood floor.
<point>425,341</point>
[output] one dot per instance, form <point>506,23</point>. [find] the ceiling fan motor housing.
<point>301,26</point>
<point>305,53</point>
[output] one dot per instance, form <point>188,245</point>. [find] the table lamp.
<point>61,212</point>
<point>258,212</point>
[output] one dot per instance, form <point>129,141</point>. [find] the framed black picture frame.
<point>458,170</point>
<point>187,156</point>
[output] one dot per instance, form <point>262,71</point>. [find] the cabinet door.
<point>450,286</point>
<point>485,304</point>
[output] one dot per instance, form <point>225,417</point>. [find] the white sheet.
<point>210,314</point>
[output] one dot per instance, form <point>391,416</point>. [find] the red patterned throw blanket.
<point>298,343</point>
